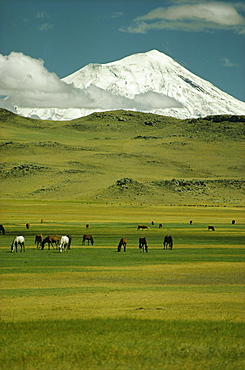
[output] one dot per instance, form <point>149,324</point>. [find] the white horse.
<point>64,243</point>
<point>18,240</point>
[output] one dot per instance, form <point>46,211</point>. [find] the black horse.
<point>168,242</point>
<point>2,230</point>
<point>38,240</point>
<point>143,245</point>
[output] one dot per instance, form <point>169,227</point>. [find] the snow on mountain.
<point>141,73</point>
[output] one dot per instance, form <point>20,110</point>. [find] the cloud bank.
<point>26,83</point>
<point>191,17</point>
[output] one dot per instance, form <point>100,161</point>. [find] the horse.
<point>69,243</point>
<point>211,228</point>
<point>87,226</point>
<point>190,222</point>
<point>142,227</point>
<point>233,222</point>
<point>42,221</point>
<point>28,226</point>
<point>2,230</point>
<point>123,242</point>
<point>54,239</point>
<point>89,238</point>
<point>64,243</point>
<point>18,240</point>
<point>38,240</point>
<point>143,245</point>
<point>168,242</point>
<point>159,226</point>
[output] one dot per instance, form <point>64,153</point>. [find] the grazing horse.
<point>64,243</point>
<point>2,230</point>
<point>87,226</point>
<point>168,242</point>
<point>42,221</point>
<point>142,227</point>
<point>70,239</point>
<point>28,226</point>
<point>160,226</point>
<point>38,240</point>
<point>211,228</point>
<point>18,240</point>
<point>190,222</point>
<point>89,238</point>
<point>123,242</point>
<point>143,245</point>
<point>54,239</point>
<point>233,222</point>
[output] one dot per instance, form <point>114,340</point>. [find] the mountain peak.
<point>144,79</point>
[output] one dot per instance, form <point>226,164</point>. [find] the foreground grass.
<point>122,344</point>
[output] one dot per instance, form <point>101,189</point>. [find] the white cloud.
<point>42,15</point>
<point>227,63</point>
<point>26,83</point>
<point>46,27</point>
<point>199,16</point>
<point>117,14</point>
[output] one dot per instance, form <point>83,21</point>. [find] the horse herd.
<point>64,243</point>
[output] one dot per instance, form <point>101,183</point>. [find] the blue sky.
<point>206,37</point>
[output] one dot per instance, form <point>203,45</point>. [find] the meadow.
<point>93,307</point>
<point>96,308</point>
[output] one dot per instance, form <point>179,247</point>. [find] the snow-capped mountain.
<point>142,73</point>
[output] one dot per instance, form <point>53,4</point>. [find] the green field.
<point>95,308</point>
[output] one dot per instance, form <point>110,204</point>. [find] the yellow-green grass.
<point>95,308</point>
<point>197,291</point>
<point>201,260</point>
<point>81,159</point>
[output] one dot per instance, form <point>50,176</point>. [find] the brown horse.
<point>89,238</point>
<point>53,240</point>
<point>211,228</point>
<point>28,226</point>
<point>142,227</point>
<point>123,242</point>
<point>168,242</point>
<point>233,222</point>
<point>143,245</point>
<point>38,240</point>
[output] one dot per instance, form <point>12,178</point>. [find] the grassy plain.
<point>95,308</point>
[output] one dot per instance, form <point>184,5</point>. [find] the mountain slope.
<point>148,72</point>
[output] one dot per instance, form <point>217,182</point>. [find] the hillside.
<point>124,157</point>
